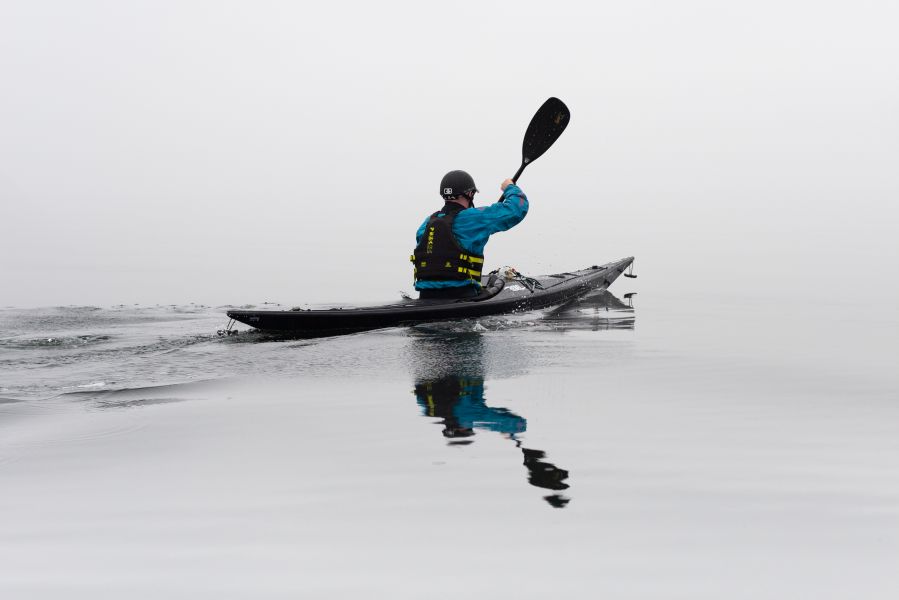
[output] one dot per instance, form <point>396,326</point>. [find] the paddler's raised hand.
<point>506,184</point>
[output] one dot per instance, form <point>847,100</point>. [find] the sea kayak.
<point>502,293</point>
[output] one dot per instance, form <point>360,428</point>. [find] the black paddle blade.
<point>547,125</point>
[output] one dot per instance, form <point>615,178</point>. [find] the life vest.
<point>439,257</point>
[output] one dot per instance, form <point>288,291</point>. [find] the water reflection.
<point>595,312</point>
<point>459,402</point>
<point>450,387</point>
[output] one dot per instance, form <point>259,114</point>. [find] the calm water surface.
<point>686,447</point>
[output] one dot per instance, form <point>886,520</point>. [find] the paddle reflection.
<point>450,387</point>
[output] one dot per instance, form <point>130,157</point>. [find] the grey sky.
<point>239,152</point>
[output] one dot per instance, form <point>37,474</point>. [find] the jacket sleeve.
<point>501,216</point>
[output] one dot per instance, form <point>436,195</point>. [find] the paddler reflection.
<point>450,387</point>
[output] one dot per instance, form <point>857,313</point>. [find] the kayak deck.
<point>500,297</point>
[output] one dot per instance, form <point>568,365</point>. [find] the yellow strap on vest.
<point>472,261</point>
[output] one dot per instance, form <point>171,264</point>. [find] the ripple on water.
<point>49,342</point>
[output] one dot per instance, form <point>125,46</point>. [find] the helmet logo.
<point>447,190</point>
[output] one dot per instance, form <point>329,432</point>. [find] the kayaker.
<point>449,252</point>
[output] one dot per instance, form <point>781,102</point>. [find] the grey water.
<point>646,446</point>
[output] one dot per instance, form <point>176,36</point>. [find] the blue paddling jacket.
<point>471,228</point>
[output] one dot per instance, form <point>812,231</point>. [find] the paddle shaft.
<point>515,177</point>
<point>519,172</point>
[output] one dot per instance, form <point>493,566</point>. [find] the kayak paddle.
<point>546,126</point>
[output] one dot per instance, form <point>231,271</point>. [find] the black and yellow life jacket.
<point>439,257</point>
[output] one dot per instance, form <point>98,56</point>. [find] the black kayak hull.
<point>515,296</point>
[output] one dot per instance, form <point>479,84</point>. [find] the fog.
<point>225,152</point>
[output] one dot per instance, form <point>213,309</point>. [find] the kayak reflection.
<point>596,312</point>
<point>450,387</point>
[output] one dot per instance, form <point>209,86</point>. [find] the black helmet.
<point>456,183</point>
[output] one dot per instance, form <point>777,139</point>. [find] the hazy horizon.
<point>230,153</point>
